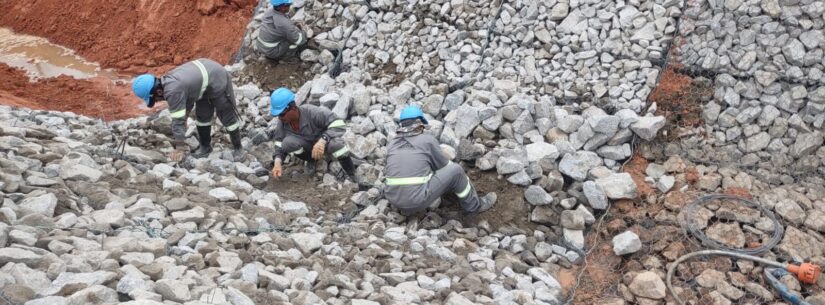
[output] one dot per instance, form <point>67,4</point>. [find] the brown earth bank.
<point>134,36</point>
<point>97,97</point>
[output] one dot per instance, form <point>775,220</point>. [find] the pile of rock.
<point>78,226</point>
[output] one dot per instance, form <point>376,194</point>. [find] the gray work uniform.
<point>204,85</point>
<point>315,122</point>
<point>279,37</point>
<point>418,174</point>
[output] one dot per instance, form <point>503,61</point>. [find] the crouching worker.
<point>279,38</point>
<point>417,172</point>
<point>200,84</point>
<point>307,132</point>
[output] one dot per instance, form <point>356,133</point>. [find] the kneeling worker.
<point>418,173</point>
<point>201,84</point>
<point>308,132</point>
<point>279,37</point>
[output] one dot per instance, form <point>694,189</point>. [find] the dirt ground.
<point>97,97</point>
<point>679,98</point>
<point>270,75</point>
<point>137,36</point>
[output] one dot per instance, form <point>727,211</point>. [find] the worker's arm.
<point>296,36</point>
<point>437,157</point>
<point>277,135</point>
<point>335,126</point>
<point>177,110</point>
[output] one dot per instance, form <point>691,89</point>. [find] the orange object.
<point>807,273</point>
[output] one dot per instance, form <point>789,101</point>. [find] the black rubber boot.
<point>349,168</point>
<point>235,137</point>
<point>205,138</point>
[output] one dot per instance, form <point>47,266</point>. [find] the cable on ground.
<point>690,226</point>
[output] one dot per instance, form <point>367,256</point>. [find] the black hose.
<point>691,228</point>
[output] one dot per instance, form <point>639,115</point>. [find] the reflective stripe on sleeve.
<point>298,42</point>
<point>407,180</point>
<point>178,114</point>
<point>199,123</point>
<point>278,143</point>
<point>298,152</point>
<point>466,190</point>
<point>337,124</point>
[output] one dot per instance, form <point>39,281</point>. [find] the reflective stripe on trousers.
<point>407,180</point>
<point>466,190</point>
<point>341,152</point>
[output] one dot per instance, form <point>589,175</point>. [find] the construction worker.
<point>308,132</point>
<point>279,37</point>
<point>417,172</point>
<point>202,84</point>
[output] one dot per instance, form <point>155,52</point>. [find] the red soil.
<point>131,36</point>
<point>97,97</point>
<point>135,36</point>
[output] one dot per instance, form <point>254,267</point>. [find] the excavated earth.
<point>131,37</point>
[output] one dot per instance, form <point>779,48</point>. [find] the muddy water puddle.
<point>43,59</point>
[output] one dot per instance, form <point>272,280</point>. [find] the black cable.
<point>690,227</point>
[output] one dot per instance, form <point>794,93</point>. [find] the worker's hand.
<point>318,149</point>
<point>177,155</point>
<point>277,170</point>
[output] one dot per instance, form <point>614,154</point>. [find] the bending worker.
<point>308,132</point>
<point>279,37</point>
<point>418,173</point>
<point>202,84</point>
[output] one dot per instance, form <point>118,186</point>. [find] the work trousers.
<point>413,199</point>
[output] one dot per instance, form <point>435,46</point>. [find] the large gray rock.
<point>17,255</point>
<point>647,127</point>
<point>73,281</point>
<point>577,165</point>
<point>510,164</point>
<point>618,186</point>
<point>223,194</point>
<point>648,285</point>
<point>467,120</point>
<point>308,242</point>
<point>41,205</point>
<point>536,195</point>
<point>173,290</point>
<point>626,243</point>
<point>540,150</point>
<point>595,195</point>
<point>806,144</point>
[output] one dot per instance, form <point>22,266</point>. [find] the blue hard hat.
<point>276,3</point>
<point>412,112</point>
<point>279,100</point>
<point>142,87</point>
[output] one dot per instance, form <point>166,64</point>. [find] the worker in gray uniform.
<point>279,37</point>
<point>201,84</point>
<point>307,132</point>
<point>417,172</point>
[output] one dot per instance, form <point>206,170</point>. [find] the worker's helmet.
<point>412,112</point>
<point>276,3</point>
<point>279,100</point>
<point>142,87</point>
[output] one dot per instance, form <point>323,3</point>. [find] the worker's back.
<point>187,79</point>
<point>414,156</point>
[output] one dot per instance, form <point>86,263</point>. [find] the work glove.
<point>277,170</point>
<point>177,155</point>
<point>318,149</point>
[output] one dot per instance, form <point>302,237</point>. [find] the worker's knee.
<point>453,169</point>
<point>293,145</point>
<point>337,149</point>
